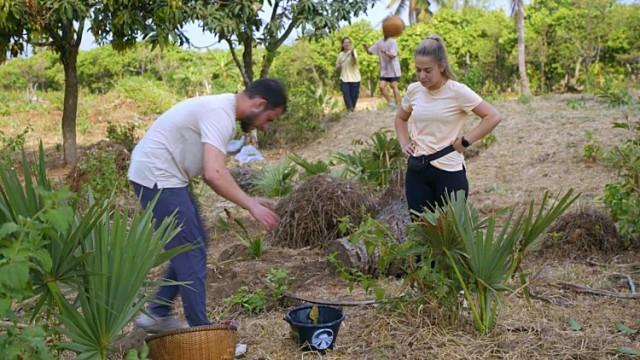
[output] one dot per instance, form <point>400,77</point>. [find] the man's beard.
<point>248,122</point>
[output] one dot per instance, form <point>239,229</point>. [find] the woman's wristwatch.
<point>465,142</point>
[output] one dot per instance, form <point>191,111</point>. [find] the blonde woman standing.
<point>347,64</point>
<point>439,107</point>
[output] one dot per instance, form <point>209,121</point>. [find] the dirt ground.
<point>539,147</point>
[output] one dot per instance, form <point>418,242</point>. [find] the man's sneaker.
<point>241,350</point>
<point>157,325</point>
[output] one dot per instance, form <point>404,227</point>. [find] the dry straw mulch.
<point>584,231</point>
<point>309,215</point>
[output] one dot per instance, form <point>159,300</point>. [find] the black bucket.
<point>320,336</point>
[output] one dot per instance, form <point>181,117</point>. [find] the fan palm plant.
<point>119,253</point>
<point>276,180</point>
<point>480,255</point>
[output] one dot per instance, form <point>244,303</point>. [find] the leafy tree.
<point>59,26</point>
<point>239,24</point>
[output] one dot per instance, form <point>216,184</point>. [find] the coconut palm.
<point>417,8</point>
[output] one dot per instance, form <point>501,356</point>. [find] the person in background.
<point>347,64</point>
<point>430,123</point>
<point>187,141</point>
<point>387,51</point>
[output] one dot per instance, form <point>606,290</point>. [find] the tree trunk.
<point>524,81</point>
<point>69,60</point>
<point>247,60</point>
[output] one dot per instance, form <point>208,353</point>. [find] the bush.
<point>124,135</point>
<point>303,120</point>
<point>41,71</point>
<point>103,169</point>
<point>623,197</point>
<point>150,96</point>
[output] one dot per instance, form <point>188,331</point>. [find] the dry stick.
<point>595,263</point>
<point>327,302</point>
<point>586,289</point>
<point>630,284</point>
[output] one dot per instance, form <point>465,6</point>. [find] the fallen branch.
<point>628,278</point>
<point>595,263</point>
<point>328,302</point>
<point>587,289</point>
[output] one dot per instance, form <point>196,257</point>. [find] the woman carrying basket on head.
<point>439,107</point>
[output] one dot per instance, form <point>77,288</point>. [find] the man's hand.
<point>264,216</point>
<point>268,203</point>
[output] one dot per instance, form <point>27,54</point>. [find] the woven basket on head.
<point>392,26</point>
<point>208,342</point>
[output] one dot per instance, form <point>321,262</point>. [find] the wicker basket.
<point>209,342</point>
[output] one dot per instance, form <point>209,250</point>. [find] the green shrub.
<point>9,145</point>
<point>150,96</point>
<point>374,164</point>
<point>278,281</point>
<point>253,302</point>
<point>123,134</point>
<point>103,173</point>
<point>41,71</point>
<point>622,197</point>
<point>303,120</point>
<point>591,151</point>
<point>615,92</point>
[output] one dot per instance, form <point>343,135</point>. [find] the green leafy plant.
<point>355,277</point>
<point>591,150</point>
<point>9,145</point>
<point>377,239</point>
<point>255,244</point>
<point>487,140</point>
<point>103,173</point>
<point>123,134</point>
<point>310,168</point>
<point>276,180</point>
<point>375,163</point>
<point>622,197</point>
<point>63,257</point>
<point>615,92</point>
<point>252,302</point>
<point>575,104</point>
<point>278,281</point>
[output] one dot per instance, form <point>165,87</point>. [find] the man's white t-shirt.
<point>171,152</point>
<point>437,119</point>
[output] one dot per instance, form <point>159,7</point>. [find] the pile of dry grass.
<point>582,232</point>
<point>309,215</point>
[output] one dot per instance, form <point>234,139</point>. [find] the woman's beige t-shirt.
<point>437,119</point>
<point>349,71</point>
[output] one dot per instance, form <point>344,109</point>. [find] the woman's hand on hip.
<point>457,145</point>
<point>409,148</point>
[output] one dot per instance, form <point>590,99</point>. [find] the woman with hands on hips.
<point>439,107</point>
